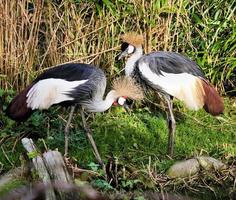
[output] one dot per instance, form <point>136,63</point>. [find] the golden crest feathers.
<point>133,39</point>
<point>126,86</point>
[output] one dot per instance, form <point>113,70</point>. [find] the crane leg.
<point>90,137</point>
<point>66,131</point>
<point>171,126</point>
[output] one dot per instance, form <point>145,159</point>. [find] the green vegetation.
<point>136,143</point>
<point>41,34</point>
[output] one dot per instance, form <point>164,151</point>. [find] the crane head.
<point>122,101</point>
<point>126,49</point>
<point>131,41</point>
<point>126,88</point>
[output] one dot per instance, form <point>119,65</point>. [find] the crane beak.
<point>122,54</point>
<point>126,107</point>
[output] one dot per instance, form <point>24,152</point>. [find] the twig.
<point>79,170</point>
<point>17,140</point>
<point>4,153</point>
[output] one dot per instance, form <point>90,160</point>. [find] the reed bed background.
<point>36,35</point>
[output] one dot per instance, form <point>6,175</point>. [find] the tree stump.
<point>52,171</point>
<point>58,173</point>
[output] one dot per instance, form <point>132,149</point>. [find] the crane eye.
<point>131,49</point>
<point>121,101</point>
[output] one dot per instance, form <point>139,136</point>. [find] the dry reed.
<point>35,36</point>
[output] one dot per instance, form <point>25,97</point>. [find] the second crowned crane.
<point>172,75</point>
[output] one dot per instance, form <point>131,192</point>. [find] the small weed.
<point>102,184</point>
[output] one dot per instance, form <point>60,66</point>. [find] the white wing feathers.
<point>50,91</point>
<point>182,86</point>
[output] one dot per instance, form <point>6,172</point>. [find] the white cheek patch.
<point>130,49</point>
<point>121,101</point>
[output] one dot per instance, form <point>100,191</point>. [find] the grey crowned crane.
<point>73,84</point>
<point>172,75</point>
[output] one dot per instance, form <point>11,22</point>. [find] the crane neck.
<point>130,64</point>
<point>100,105</point>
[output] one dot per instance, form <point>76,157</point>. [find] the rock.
<point>209,163</point>
<point>184,168</point>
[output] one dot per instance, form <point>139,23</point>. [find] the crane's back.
<point>96,80</point>
<point>170,62</point>
<point>72,72</point>
<point>66,84</point>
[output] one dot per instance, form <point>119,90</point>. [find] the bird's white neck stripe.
<point>129,66</point>
<point>100,105</point>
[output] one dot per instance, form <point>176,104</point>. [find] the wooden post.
<point>39,167</point>
<point>58,173</point>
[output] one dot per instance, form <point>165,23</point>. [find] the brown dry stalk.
<point>35,35</point>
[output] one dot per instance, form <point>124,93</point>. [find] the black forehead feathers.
<point>124,46</point>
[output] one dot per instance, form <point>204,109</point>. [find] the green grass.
<point>137,141</point>
<point>143,133</point>
<point>133,137</point>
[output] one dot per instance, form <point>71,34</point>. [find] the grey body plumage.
<point>170,62</point>
<point>163,61</point>
<point>83,94</point>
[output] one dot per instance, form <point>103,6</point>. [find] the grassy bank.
<point>136,144</point>
<point>143,132</point>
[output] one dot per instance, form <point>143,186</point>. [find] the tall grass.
<point>35,35</point>
<point>19,33</point>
